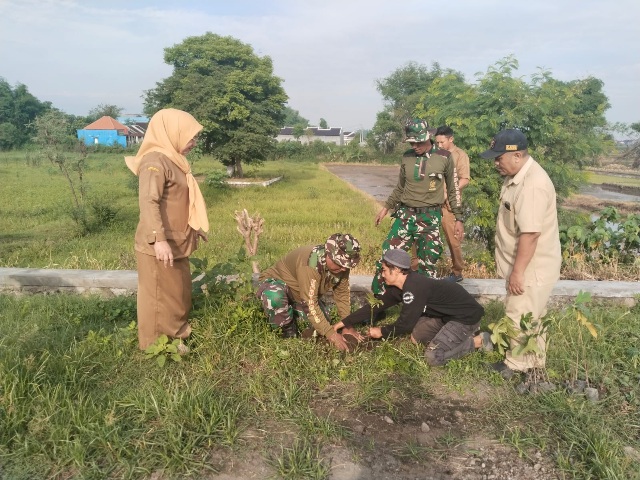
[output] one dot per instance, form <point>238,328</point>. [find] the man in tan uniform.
<point>444,140</point>
<point>527,241</point>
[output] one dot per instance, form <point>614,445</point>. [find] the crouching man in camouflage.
<point>292,287</point>
<point>438,314</point>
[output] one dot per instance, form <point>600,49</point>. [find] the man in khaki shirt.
<point>527,252</point>
<point>444,140</point>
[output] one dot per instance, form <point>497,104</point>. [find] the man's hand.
<point>381,214</point>
<point>338,326</point>
<point>353,332</point>
<point>338,341</point>
<point>163,253</point>
<point>375,332</point>
<point>458,230</point>
<point>515,284</point>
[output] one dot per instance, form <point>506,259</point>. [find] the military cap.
<point>398,258</point>
<point>343,249</point>
<point>417,130</point>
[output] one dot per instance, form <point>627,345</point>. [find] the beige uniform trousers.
<point>534,300</point>
<point>448,225</point>
<point>164,299</point>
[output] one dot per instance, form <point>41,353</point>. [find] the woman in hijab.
<point>173,217</point>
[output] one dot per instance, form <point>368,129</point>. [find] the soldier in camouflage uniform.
<point>417,199</point>
<point>292,288</point>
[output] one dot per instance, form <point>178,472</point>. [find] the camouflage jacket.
<point>308,279</point>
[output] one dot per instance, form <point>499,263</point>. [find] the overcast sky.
<point>78,54</point>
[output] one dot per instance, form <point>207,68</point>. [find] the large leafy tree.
<point>230,90</point>
<point>386,134</point>
<point>564,122</point>
<point>18,110</point>
<point>104,110</point>
<point>292,118</point>
<point>402,92</point>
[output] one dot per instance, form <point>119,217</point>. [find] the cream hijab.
<point>168,133</point>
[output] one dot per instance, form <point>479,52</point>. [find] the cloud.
<point>78,54</point>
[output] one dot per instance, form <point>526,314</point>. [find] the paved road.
<point>376,180</point>
<point>379,180</point>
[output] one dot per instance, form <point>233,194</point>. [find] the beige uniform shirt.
<point>164,207</point>
<point>308,284</point>
<point>528,205</point>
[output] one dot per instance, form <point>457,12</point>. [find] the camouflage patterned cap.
<point>343,249</point>
<point>417,130</point>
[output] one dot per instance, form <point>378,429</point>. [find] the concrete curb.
<point>125,282</point>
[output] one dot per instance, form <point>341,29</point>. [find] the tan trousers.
<point>534,300</point>
<point>164,299</point>
<point>448,225</point>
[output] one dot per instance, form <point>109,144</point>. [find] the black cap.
<point>510,140</point>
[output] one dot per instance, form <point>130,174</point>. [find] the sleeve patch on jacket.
<point>407,297</point>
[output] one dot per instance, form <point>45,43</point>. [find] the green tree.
<point>58,144</point>
<point>292,118</point>
<point>564,123</point>
<point>633,153</point>
<point>104,110</point>
<point>18,110</point>
<point>401,91</point>
<point>323,123</point>
<point>386,134</point>
<point>230,90</point>
<point>298,131</point>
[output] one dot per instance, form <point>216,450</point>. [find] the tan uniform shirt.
<point>463,169</point>
<point>528,205</point>
<point>308,283</point>
<point>461,161</point>
<point>164,207</point>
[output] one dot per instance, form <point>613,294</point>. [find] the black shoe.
<point>290,330</point>
<point>504,371</point>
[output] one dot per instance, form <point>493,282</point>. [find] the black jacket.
<point>422,296</point>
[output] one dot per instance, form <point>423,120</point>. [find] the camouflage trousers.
<point>421,229</point>
<point>278,304</point>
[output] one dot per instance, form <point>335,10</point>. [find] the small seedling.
<point>164,348</point>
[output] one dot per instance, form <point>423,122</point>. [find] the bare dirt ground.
<point>438,437</point>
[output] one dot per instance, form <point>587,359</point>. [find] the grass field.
<point>305,207</point>
<point>78,400</point>
<point>600,178</point>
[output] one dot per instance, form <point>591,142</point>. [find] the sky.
<point>79,54</point>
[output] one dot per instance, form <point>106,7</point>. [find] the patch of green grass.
<point>305,207</point>
<point>600,178</point>
<point>77,399</point>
